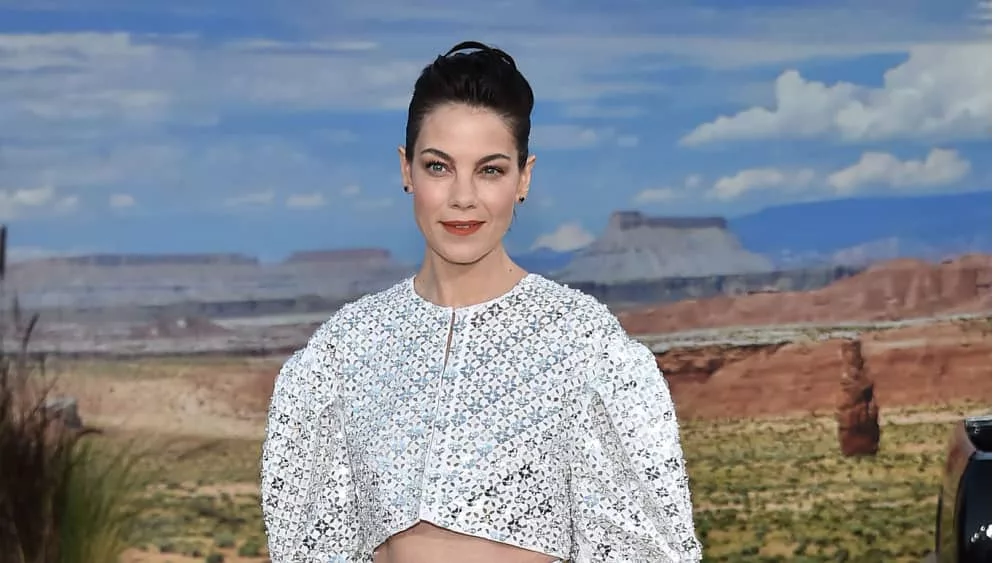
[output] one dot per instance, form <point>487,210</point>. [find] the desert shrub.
<point>250,548</point>
<point>100,509</point>
<point>225,540</point>
<point>63,498</point>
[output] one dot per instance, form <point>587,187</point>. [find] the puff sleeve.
<point>295,514</point>
<point>629,483</point>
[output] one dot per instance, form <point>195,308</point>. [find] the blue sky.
<point>267,127</point>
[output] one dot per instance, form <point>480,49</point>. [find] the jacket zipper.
<point>437,404</point>
<point>447,346</point>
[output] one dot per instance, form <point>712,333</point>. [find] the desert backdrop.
<point>789,203</point>
<point>178,354</point>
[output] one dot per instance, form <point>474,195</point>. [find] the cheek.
<point>425,204</point>
<point>501,202</point>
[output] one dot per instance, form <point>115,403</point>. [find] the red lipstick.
<point>461,228</point>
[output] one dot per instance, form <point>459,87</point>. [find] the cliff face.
<point>890,291</point>
<point>669,290</point>
<point>233,281</point>
<point>635,247</point>
<point>944,362</point>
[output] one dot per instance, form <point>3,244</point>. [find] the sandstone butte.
<point>922,364</point>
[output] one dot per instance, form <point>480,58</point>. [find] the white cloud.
<point>121,200</point>
<point>938,92</point>
<point>127,82</point>
<point>719,36</point>
<point>568,236</point>
<point>306,201</point>
<point>113,110</point>
<point>15,203</point>
<point>138,82</point>
<point>732,187</point>
<point>940,168</point>
<point>655,195</point>
<point>692,181</point>
<point>873,170</point>
<point>251,199</point>
<point>351,190</point>
<point>195,173</point>
<point>31,197</point>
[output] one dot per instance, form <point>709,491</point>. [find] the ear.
<point>405,170</point>
<point>524,185</point>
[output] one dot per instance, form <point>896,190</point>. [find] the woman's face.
<point>465,181</point>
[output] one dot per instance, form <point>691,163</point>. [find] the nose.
<point>463,193</point>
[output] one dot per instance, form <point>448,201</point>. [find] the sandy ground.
<point>944,362</point>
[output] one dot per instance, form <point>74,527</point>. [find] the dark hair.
<point>486,78</point>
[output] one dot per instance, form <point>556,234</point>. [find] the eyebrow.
<point>445,156</point>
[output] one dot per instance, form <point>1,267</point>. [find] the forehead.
<point>459,128</point>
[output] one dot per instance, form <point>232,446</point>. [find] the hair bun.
<point>483,48</point>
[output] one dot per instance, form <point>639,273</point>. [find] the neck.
<point>460,285</point>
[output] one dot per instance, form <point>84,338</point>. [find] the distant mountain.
<point>635,247</point>
<point>861,230</point>
<point>852,232</point>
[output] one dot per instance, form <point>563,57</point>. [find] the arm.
<point>640,509</point>
<point>289,461</point>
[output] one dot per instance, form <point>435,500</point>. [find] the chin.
<point>462,256</point>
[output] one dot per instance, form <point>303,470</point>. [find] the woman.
<point>473,412</point>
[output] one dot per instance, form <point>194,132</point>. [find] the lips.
<point>461,228</point>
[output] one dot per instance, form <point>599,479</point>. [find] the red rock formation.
<point>897,289</point>
<point>857,411</point>
<point>945,362</point>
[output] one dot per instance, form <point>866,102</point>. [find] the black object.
<point>964,516</point>
<point>3,251</point>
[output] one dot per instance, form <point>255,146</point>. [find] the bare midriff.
<point>427,543</point>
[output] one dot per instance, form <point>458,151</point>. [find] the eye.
<point>493,171</point>
<point>436,167</point>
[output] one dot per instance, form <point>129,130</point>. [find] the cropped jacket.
<point>531,420</point>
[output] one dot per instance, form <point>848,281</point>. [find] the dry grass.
<point>63,497</point>
<point>208,504</point>
<point>764,490</point>
<point>778,490</point>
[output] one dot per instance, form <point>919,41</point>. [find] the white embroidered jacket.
<point>532,419</point>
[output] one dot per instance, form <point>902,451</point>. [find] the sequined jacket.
<point>532,419</point>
